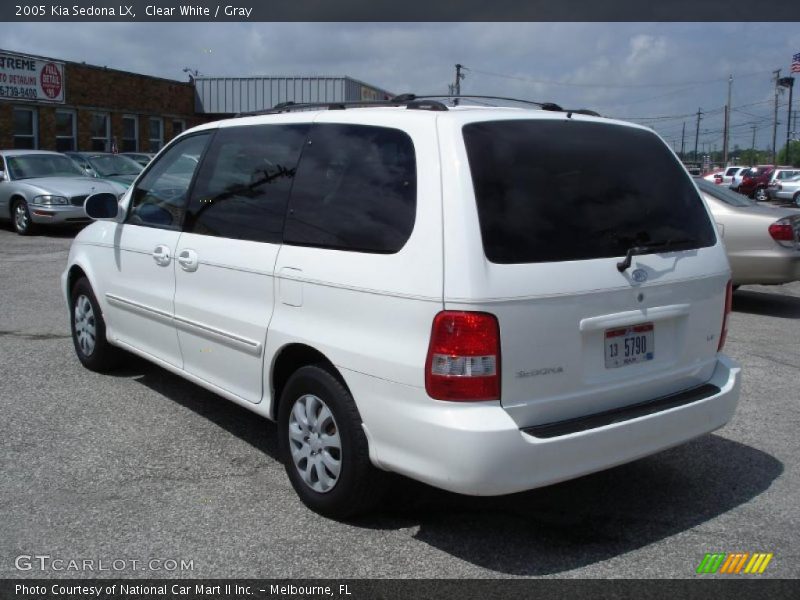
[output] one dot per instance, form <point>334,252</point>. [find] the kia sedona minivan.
<point>485,299</point>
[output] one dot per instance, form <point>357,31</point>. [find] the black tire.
<point>23,224</point>
<point>796,199</point>
<point>761,195</point>
<point>102,356</point>
<point>360,486</point>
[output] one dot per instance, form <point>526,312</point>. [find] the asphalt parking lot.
<point>142,464</point>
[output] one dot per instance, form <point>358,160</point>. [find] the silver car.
<point>787,189</point>
<point>762,242</point>
<point>45,188</point>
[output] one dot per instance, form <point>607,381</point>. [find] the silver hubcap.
<point>315,443</point>
<point>85,325</point>
<point>21,217</point>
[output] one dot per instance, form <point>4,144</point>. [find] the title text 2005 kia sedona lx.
<point>487,300</point>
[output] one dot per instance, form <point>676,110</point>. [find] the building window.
<point>25,128</point>
<point>101,132</point>
<point>156,135</point>
<point>65,131</point>
<point>130,133</point>
<point>178,127</point>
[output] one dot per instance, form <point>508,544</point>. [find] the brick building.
<point>57,105</point>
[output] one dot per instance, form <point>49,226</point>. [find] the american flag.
<point>796,63</point>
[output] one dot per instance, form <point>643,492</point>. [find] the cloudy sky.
<point>639,71</point>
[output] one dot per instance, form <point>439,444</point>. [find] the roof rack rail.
<point>432,102</point>
<point>408,100</point>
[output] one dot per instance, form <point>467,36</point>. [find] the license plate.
<point>629,345</point>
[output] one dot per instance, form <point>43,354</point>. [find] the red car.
<point>754,182</point>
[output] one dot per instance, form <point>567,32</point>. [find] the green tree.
<point>794,154</point>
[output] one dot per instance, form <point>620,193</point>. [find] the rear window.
<point>557,190</point>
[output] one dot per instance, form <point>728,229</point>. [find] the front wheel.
<point>796,199</point>
<point>21,217</point>
<point>323,446</point>
<point>89,330</point>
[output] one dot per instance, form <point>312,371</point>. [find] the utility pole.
<point>788,82</point>
<point>683,137</point>
<point>727,123</point>
<point>775,120</point>
<point>459,77</point>
<point>697,132</point>
<point>753,147</point>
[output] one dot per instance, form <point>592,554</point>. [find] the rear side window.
<point>355,190</point>
<point>568,190</point>
<point>243,186</point>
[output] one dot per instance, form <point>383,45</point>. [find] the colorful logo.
<point>735,563</point>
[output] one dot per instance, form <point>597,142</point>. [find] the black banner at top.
<point>399,10</point>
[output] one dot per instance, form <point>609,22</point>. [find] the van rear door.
<point>596,254</point>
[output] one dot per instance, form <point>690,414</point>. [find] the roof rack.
<point>408,100</point>
<point>430,102</point>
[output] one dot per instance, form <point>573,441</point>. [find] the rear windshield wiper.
<point>650,248</point>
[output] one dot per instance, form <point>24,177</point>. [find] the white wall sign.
<point>26,78</point>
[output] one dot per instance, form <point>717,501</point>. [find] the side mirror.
<point>102,206</point>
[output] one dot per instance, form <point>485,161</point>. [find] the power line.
<point>606,85</point>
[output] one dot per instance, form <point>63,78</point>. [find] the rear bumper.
<point>478,449</point>
<point>769,268</point>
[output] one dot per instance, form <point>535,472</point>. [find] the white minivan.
<point>487,300</point>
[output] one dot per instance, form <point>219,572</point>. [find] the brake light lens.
<point>728,306</point>
<point>782,230</point>
<point>463,362</point>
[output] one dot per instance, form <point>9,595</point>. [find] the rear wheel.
<point>761,195</point>
<point>796,199</point>
<point>21,217</point>
<point>323,446</point>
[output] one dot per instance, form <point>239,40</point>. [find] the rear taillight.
<point>463,362</point>
<point>782,230</point>
<point>728,305</point>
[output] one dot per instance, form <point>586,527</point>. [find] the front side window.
<point>24,128</point>
<point>556,190</point>
<point>159,199</point>
<point>243,186</point>
<point>101,132</point>
<point>355,189</point>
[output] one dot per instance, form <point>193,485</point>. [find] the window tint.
<point>242,189</point>
<point>159,199</point>
<point>556,190</point>
<point>355,189</point>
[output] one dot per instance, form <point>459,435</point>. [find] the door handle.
<point>188,260</point>
<point>161,255</point>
